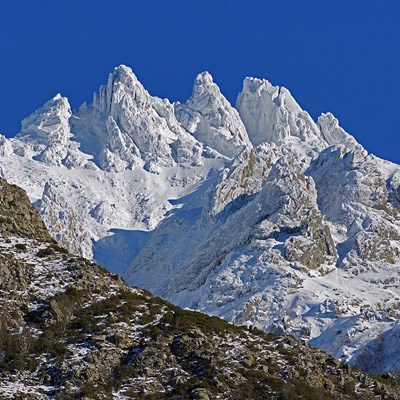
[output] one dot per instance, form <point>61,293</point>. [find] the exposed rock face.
<point>284,214</point>
<point>245,176</point>
<point>64,223</point>
<point>70,329</point>
<point>352,193</point>
<point>17,216</point>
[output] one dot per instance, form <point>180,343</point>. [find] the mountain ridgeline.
<point>253,213</point>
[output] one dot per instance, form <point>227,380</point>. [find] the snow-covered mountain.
<point>255,213</point>
<point>113,167</point>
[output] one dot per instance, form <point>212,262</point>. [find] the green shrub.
<point>58,248</point>
<point>21,247</point>
<point>48,251</point>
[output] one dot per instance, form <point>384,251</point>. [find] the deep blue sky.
<point>341,56</point>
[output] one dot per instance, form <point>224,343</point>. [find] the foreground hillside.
<point>70,329</point>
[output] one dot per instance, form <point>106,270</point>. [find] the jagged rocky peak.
<point>333,134</point>
<point>46,136</point>
<point>120,82</point>
<point>126,126</point>
<point>271,114</point>
<point>210,118</point>
<point>50,123</point>
<point>6,148</point>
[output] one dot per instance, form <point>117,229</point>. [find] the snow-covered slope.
<point>256,213</point>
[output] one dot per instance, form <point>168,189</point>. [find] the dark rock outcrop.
<point>17,216</point>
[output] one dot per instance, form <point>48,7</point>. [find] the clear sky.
<point>341,56</point>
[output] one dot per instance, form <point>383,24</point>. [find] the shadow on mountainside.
<point>116,252</point>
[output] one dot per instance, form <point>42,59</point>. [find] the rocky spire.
<point>134,127</point>
<point>334,134</point>
<point>50,123</point>
<point>210,118</point>
<point>271,114</point>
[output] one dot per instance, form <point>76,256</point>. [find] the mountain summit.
<point>255,213</point>
<point>209,117</point>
